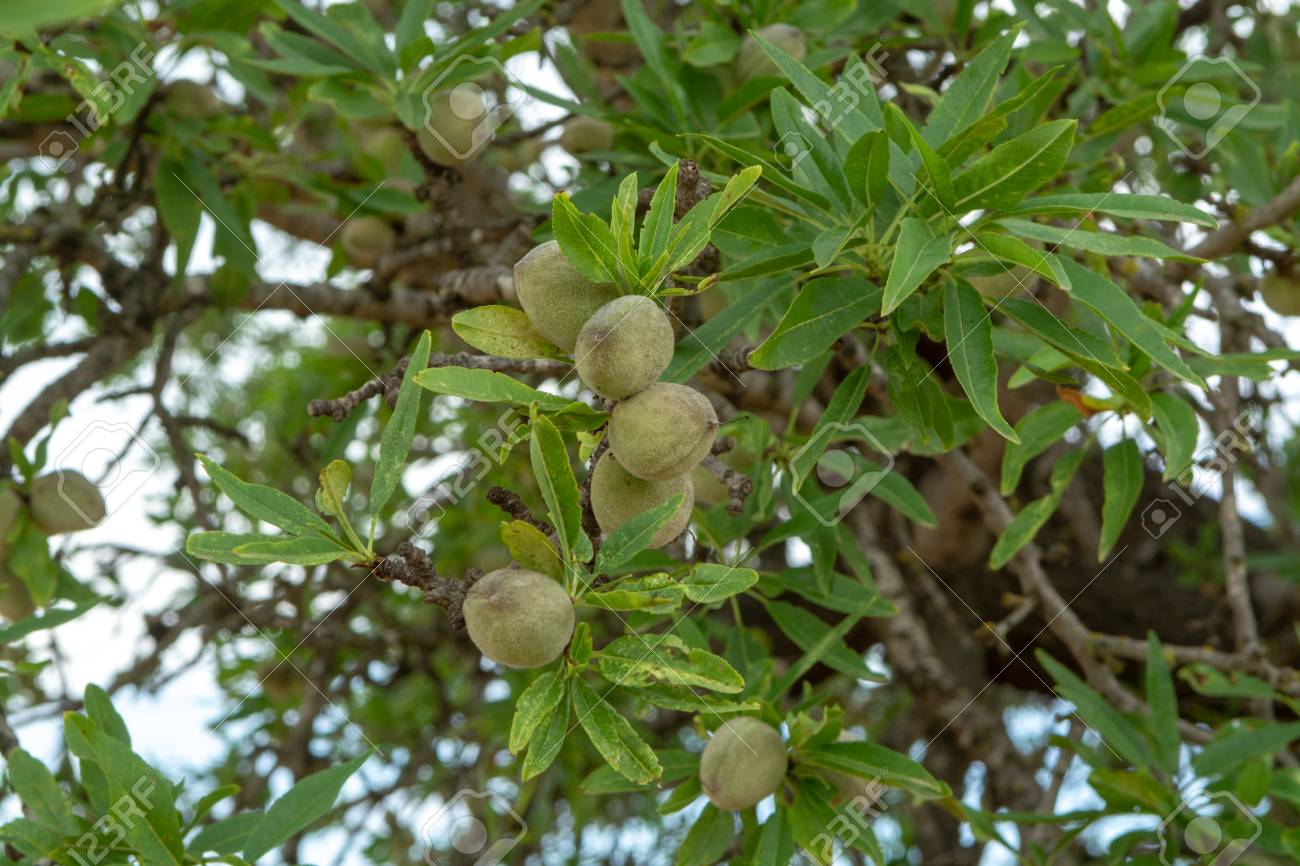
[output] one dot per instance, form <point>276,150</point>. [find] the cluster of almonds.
<point>59,502</point>
<point>658,431</point>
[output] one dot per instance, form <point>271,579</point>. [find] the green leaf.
<point>916,255</point>
<point>969,335</point>
<point>866,167</point>
<point>806,629</point>
<point>967,98</point>
<point>709,838</point>
<point>822,311</point>
<point>1104,243</point>
<point>502,331</point>
<point>532,548</point>
<point>19,17</point>
<point>1116,306</point>
<point>554,475</point>
<point>1233,749</point>
<point>307,550</point>
<point>1115,731</point>
<point>643,660</point>
<point>614,737</point>
<point>335,479</point>
<point>100,709</point>
<point>128,778</point>
<point>1163,701</point>
<point>1176,421</point>
<point>221,546</point>
<point>544,747</point>
<point>658,224</point>
<point>1025,525</point>
<point>1122,474</point>
<point>226,836</point>
<point>179,209</point>
<point>678,764</point>
<point>775,845</point>
<point>634,535</point>
<point>267,503</point>
<point>400,429</point>
<point>50,618</point>
<point>42,797</point>
<point>1075,342</point>
<point>373,56</point>
<point>873,761</point>
<point>586,241</point>
<point>711,582</point>
<point>1018,252</point>
<point>1011,170</point>
<point>848,118</point>
<point>1142,207</point>
<point>935,166</point>
<point>1037,431</point>
<point>300,807</point>
<point>535,707</point>
<point>655,593</point>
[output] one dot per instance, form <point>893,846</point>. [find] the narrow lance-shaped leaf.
<point>300,806</point>
<point>614,737</point>
<point>916,255</point>
<point>535,707</point>
<point>267,503</point>
<point>822,312</point>
<point>1007,173</point>
<point>395,443</point>
<point>634,535</point>
<point>968,332</point>
<point>1122,477</point>
<point>1163,701</point>
<point>554,474</point>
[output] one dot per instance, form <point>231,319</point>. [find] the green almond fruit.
<point>367,239</point>
<point>519,618</point>
<point>585,134</point>
<point>1282,293</point>
<point>624,347</point>
<point>617,496</point>
<point>557,298</point>
<point>458,125</point>
<point>743,763</point>
<point>663,431</point>
<point>66,501</point>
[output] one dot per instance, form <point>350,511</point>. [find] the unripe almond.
<point>367,239</point>
<point>1281,291</point>
<point>744,762</point>
<point>585,134</point>
<point>519,618</point>
<point>557,298</point>
<point>66,501</point>
<point>624,347</point>
<point>386,145</point>
<point>458,123</point>
<point>663,431</point>
<point>618,496</point>
<point>752,61</point>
